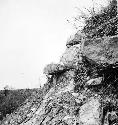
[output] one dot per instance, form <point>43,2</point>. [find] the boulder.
<point>101,50</point>
<point>71,57</point>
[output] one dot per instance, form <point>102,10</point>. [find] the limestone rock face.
<point>102,50</point>
<point>71,56</point>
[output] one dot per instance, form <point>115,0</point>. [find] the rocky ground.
<point>81,90</point>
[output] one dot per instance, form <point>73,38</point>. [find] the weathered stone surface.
<point>102,50</point>
<point>55,107</point>
<point>65,80</point>
<point>71,57</point>
<point>90,112</point>
<point>52,68</point>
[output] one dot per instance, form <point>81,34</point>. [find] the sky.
<point>33,33</point>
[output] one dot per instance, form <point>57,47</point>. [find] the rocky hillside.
<point>82,89</point>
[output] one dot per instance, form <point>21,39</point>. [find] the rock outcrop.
<point>102,50</point>
<point>83,88</point>
<point>71,57</point>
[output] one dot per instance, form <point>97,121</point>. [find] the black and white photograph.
<point>58,62</point>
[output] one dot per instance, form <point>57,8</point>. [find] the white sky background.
<point>33,33</point>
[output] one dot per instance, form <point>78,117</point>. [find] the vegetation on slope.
<point>103,23</point>
<point>10,100</point>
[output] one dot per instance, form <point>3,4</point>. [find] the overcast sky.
<point>33,33</point>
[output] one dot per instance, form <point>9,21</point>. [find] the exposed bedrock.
<point>102,50</point>
<point>52,69</point>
